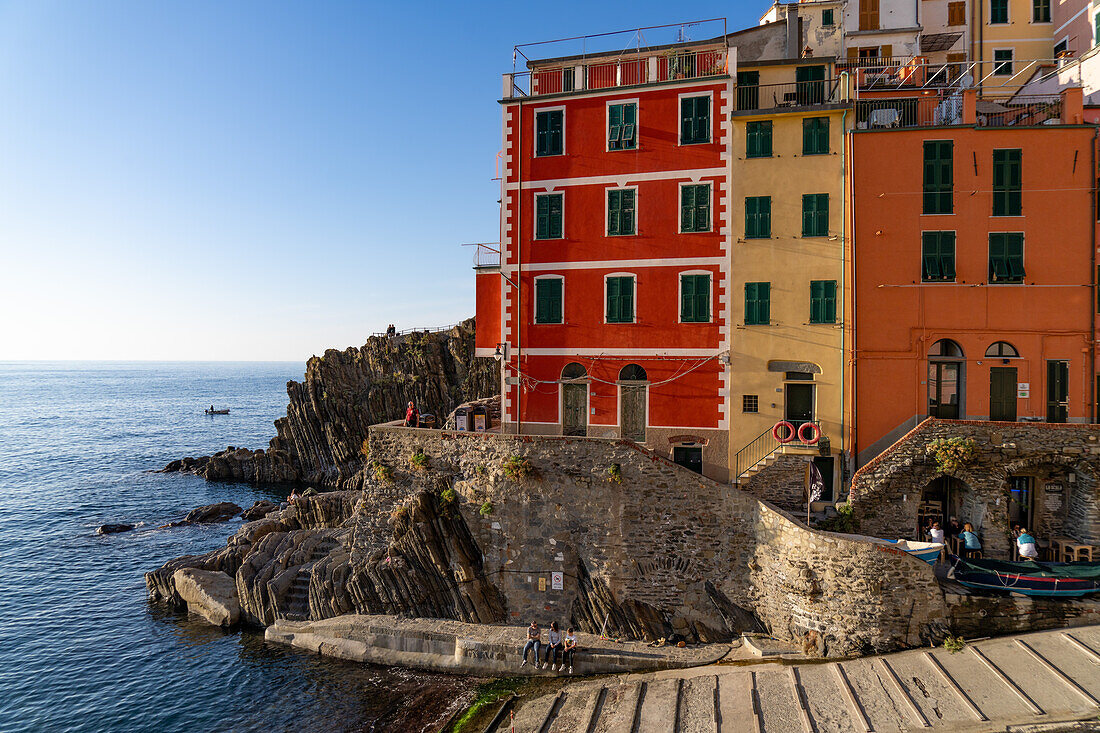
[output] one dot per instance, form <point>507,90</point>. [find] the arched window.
<point>632,373</point>
<point>573,370</point>
<point>947,349</point>
<point>1003,350</point>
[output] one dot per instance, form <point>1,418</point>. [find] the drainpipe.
<point>519,272</point>
<point>843,262</point>
<point>1095,293</point>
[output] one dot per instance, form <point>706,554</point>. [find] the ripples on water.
<point>81,649</point>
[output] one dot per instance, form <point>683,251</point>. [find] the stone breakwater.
<point>501,529</point>
<point>320,440</point>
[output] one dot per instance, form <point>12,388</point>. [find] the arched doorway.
<point>943,498</point>
<point>574,400</point>
<point>633,382</point>
<point>946,377</point>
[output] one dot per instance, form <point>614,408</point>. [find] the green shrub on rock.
<point>486,508</point>
<point>448,496</point>
<point>615,473</point>
<point>954,644</point>
<point>419,460</point>
<point>382,472</point>
<point>952,454</point>
<point>517,468</point>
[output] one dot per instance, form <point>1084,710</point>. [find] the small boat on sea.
<point>1031,578</point>
<point>217,412</point>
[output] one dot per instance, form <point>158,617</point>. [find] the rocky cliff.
<point>320,440</point>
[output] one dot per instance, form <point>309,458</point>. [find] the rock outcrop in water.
<point>320,440</point>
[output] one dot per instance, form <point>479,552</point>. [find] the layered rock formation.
<point>320,440</point>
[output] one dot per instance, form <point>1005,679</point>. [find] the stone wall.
<point>1062,461</point>
<point>783,483</point>
<point>665,550</point>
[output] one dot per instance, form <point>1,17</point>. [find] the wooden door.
<point>1002,394</point>
<point>632,408</point>
<point>575,409</point>
<point>800,403</point>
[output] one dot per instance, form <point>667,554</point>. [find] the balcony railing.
<point>794,94</point>
<point>627,71</point>
<point>486,254</point>
<point>935,110</point>
<point>1021,111</point>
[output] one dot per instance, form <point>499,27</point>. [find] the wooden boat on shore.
<point>1031,578</point>
<point>217,412</point>
<point>929,552</point>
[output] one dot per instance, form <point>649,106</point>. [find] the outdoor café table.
<point>1058,546</point>
<point>1076,551</point>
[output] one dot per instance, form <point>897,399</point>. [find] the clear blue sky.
<point>255,180</point>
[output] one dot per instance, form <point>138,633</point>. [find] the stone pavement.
<point>988,686</point>
<point>478,649</point>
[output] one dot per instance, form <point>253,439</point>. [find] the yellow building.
<point>787,211</point>
<point>1009,40</point>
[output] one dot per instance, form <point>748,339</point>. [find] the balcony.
<point>591,69</point>
<point>793,95</point>
<point>959,108</point>
<point>486,254</point>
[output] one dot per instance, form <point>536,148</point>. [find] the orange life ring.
<point>790,431</point>
<point>814,429</point>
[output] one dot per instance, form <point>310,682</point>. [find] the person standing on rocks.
<point>412,416</point>
<point>534,641</point>
<point>553,646</point>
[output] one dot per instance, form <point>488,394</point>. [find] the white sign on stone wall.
<point>557,581</point>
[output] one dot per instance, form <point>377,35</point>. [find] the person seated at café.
<point>1026,545</point>
<point>971,545</point>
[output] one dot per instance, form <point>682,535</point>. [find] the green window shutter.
<point>1014,256</point>
<point>613,300</point>
<point>695,298</point>
<point>553,215</point>
<point>998,11</point>
<point>1007,182</point>
<point>621,126</point>
<point>937,256</point>
<point>542,217</point>
<point>695,208</point>
<point>823,301</point>
<point>830,301</point>
<point>620,211</point>
<point>827,17</point>
<point>620,300</point>
<point>759,139</point>
<point>548,300</point>
<point>938,176</point>
<point>548,132</point>
<point>815,214</point>
<point>694,120</point>
<point>757,304</point>
<point>815,136</point>
<point>758,210</point>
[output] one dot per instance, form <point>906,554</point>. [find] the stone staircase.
<point>295,605</point>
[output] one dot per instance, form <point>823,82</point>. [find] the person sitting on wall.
<point>570,649</point>
<point>412,416</point>
<point>534,641</point>
<point>1026,545</point>
<point>294,496</point>
<point>971,545</point>
<point>553,646</point>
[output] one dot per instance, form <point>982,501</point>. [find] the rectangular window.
<point>695,208</point>
<point>937,257</point>
<point>567,79</point>
<point>998,11</point>
<point>1006,257</point>
<point>548,300</point>
<point>694,120</point>
<point>622,126</point>
<point>823,301</point>
<point>1002,62</point>
<point>750,403</point>
<point>695,298</point>
<point>548,132</point>
<point>815,214</point>
<point>1061,47</point>
<point>757,304</point>
<point>956,13</point>
<point>548,216</point>
<point>1040,11</point>
<point>815,136</point>
<point>827,17</point>
<point>620,211</point>
<point>938,176</point>
<point>758,217</point>
<point>620,300</point>
<point>748,90</point>
<point>1007,182</point>
<point>758,139</point>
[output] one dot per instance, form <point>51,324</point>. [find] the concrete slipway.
<point>1023,683</point>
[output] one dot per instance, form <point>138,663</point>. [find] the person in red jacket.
<point>412,416</point>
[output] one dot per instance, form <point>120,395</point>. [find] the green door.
<point>1002,394</point>
<point>811,84</point>
<point>800,403</point>
<point>1057,390</point>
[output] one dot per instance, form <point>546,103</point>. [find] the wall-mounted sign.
<point>542,583</point>
<point>1023,390</point>
<point>479,423</point>
<point>557,581</point>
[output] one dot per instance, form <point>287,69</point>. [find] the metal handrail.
<point>407,331</point>
<point>765,445</point>
<point>788,94</point>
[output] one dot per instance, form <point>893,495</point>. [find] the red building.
<point>609,304</point>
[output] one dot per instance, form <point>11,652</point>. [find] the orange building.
<point>970,271</point>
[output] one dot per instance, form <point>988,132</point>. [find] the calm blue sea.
<point>81,649</point>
